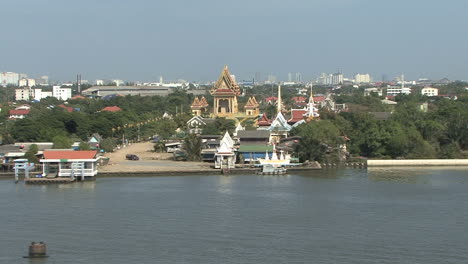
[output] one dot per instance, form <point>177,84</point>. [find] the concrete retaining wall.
<point>418,162</point>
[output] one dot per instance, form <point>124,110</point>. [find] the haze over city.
<point>142,39</point>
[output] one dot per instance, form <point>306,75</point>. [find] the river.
<point>412,215</point>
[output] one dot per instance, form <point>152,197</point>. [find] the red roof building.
<point>69,109</point>
<point>69,154</point>
<point>112,109</point>
<point>319,98</point>
<point>18,114</point>
<point>264,120</point>
<point>271,99</point>
<point>74,164</point>
<point>297,115</point>
<point>78,97</point>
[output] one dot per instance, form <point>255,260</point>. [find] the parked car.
<point>132,157</point>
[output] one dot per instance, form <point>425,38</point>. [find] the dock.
<point>58,180</point>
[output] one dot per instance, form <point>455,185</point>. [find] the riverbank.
<point>417,162</point>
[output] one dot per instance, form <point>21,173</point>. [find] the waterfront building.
<point>225,93</point>
<point>70,163</point>
<point>430,91</point>
<point>254,144</point>
<point>225,158</point>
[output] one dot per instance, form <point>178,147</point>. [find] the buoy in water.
<point>37,250</point>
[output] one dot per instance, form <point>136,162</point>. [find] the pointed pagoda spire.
<point>279,102</point>
<point>311,98</point>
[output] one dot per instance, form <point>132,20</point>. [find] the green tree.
<point>31,154</point>
<point>319,141</point>
<point>108,144</point>
<point>84,146</point>
<point>192,147</point>
<point>62,142</point>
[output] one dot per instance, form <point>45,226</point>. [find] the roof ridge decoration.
<point>252,103</point>
<point>195,102</point>
<point>226,82</point>
<point>280,124</point>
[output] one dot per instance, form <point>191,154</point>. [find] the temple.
<point>199,106</point>
<point>225,92</point>
<point>252,107</point>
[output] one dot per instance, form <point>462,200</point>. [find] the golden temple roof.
<point>252,103</point>
<point>225,85</point>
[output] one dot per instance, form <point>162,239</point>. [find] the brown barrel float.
<point>37,250</point>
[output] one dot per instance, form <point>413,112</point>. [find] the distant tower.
<point>279,102</point>
<point>402,81</point>
<point>161,81</point>
<point>289,77</point>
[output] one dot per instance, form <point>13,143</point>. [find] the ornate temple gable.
<point>264,120</point>
<point>251,103</point>
<point>226,84</point>
<point>196,103</point>
<point>199,106</point>
<point>280,124</point>
<point>203,102</point>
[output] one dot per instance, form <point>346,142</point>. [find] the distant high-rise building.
<point>161,80</point>
<point>43,80</point>
<point>298,77</point>
<point>9,78</point>
<point>290,77</point>
<point>271,78</point>
<point>362,78</point>
<point>337,78</point>
<point>258,77</point>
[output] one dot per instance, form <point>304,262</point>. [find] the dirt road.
<point>149,161</point>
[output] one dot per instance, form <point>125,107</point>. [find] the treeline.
<point>47,120</point>
<point>441,132</point>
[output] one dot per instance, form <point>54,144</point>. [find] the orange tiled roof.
<point>19,112</point>
<point>70,154</point>
<point>112,109</point>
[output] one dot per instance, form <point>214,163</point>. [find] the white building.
<point>22,94</point>
<point>61,93</point>
<point>38,94</point>
<point>99,82</point>
<point>430,91</point>
<point>9,78</point>
<point>26,82</point>
<point>362,78</point>
<point>369,91</point>
<point>330,79</point>
<point>396,90</point>
<point>118,82</point>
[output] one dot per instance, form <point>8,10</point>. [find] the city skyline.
<point>181,39</point>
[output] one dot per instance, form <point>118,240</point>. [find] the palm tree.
<point>192,147</point>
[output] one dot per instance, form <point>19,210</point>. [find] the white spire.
<point>279,102</point>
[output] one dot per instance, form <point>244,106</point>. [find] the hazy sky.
<point>194,39</point>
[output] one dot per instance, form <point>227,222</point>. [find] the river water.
<point>415,215</point>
